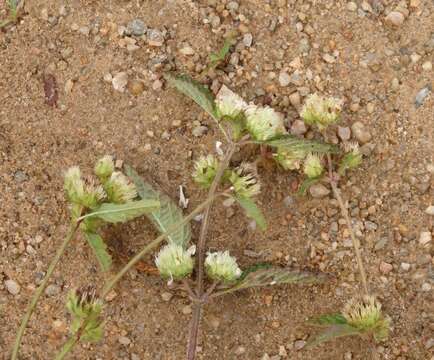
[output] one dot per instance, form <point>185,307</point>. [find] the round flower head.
<point>74,184</point>
<point>119,188</point>
<point>104,167</point>
<point>312,166</point>
<point>244,183</point>
<point>289,160</point>
<point>229,104</point>
<point>321,111</point>
<point>220,266</point>
<point>174,262</point>
<point>93,195</point>
<point>205,170</point>
<point>366,315</point>
<point>263,123</point>
<point>352,158</point>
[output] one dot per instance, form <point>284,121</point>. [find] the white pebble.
<point>425,238</point>
<point>12,287</point>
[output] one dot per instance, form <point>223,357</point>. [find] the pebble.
<point>344,133</point>
<point>385,267</point>
<point>120,81</point>
<point>135,87</point>
<point>12,287</point>
<point>248,39</point>
<point>395,18</point>
<point>422,95</point>
<point>136,27</point>
<point>427,66</point>
<point>299,344</point>
<point>352,6</point>
<point>155,38</point>
<point>186,310</point>
<point>284,79</point>
<point>20,176</point>
<point>426,287</point>
<point>430,210</point>
<point>240,350</point>
<point>166,296</point>
<point>360,132</point>
<point>319,190</point>
<point>199,131</point>
<point>52,290</point>
<point>298,127</point>
<point>187,50</point>
<point>68,86</point>
<point>425,238</point>
<point>123,340</point>
<point>157,85</point>
<point>405,266</point>
<point>329,58</point>
<point>295,100</point>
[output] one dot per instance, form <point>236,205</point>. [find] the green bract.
<point>220,266</point>
<point>174,262</point>
<point>351,160</point>
<point>263,123</point>
<point>244,184</point>
<point>321,111</point>
<point>119,189</point>
<point>205,170</point>
<point>289,159</point>
<point>104,168</point>
<point>312,166</point>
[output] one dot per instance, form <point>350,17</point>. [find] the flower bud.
<point>352,159</point>
<point>320,111</point>
<point>229,104</point>
<point>366,316</point>
<point>263,123</point>
<point>220,266</point>
<point>289,159</point>
<point>312,166</point>
<point>119,188</point>
<point>93,194</point>
<point>205,170</point>
<point>174,262</point>
<point>74,184</point>
<point>104,167</point>
<point>244,183</point>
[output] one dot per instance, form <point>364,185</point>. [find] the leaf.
<point>221,55</point>
<point>306,184</point>
<point>167,215</point>
<point>252,211</point>
<point>332,332</point>
<point>115,213</point>
<point>329,319</point>
<point>195,91</point>
<point>293,143</point>
<point>265,275</point>
<point>100,249</point>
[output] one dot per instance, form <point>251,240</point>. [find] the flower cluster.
<point>321,111</point>
<point>244,183</point>
<point>119,188</point>
<point>205,170</point>
<point>174,262</point>
<point>220,266</point>
<point>313,166</point>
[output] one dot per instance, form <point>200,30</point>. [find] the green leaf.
<point>306,184</point>
<point>195,91</point>
<point>329,319</point>
<point>100,249</point>
<point>252,211</point>
<point>265,275</point>
<point>292,143</point>
<point>221,55</point>
<point>332,332</point>
<point>167,215</point>
<point>115,213</point>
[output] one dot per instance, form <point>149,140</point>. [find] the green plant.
<point>14,6</point>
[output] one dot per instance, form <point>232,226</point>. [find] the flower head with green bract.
<point>220,266</point>
<point>312,166</point>
<point>119,188</point>
<point>289,159</point>
<point>205,170</point>
<point>264,123</point>
<point>104,168</point>
<point>174,262</point>
<point>229,104</point>
<point>244,183</point>
<point>321,111</point>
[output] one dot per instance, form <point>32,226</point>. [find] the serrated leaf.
<point>306,184</point>
<point>167,215</point>
<point>332,332</point>
<point>266,276</point>
<point>116,213</point>
<point>329,319</point>
<point>252,211</point>
<point>195,91</point>
<point>292,143</point>
<point>100,249</point>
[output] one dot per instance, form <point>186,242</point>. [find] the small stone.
<point>425,238</point>
<point>318,190</point>
<point>430,210</point>
<point>299,344</point>
<point>186,310</point>
<point>12,287</point>
<point>68,86</point>
<point>136,27</point>
<point>187,50</point>
<point>429,343</point>
<point>422,95</point>
<point>111,296</point>
<point>426,287</point>
<point>295,100</point>
<point>84,30</point>
<point>352,6</point>
<point>232,6</point>
<point>405,266</point>
<point>157,85</point>
<point>20,176</point>
<point>123,340</point>
<point>360,132</point>
<point>135,87</point>
<point>284,79</point>
<point>329,58</point>
<point>52,290</point>
<point>215,21</point>
<point>248,39</point>
<point>344,133</point>
<point>415,58</point>
<point>199,131</point>
<point>395,18</point>
<point>298,127</point>
<point>240,350</point>
<point>385,267</point>
<point>120,81</point>
<point>166,296</point>
<point>155,38</point>
<point>282,351</point>
<point>427,66</point>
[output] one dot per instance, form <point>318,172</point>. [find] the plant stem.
<point>195,321</point>
<point>69,345</point>
<point>41,289</point>
<point>154,244</point>
<point>345,214</point>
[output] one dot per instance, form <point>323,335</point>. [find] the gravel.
<point>120,81</point>
<point>136,27</point>
<point>284,79</point>
<point>430,210</point>
<point>52,290</point>
<point>425,238</point>
<point>248,39</point>
<point>319,191</point>
<point>360,132</point>
<point>395,18</point>
<point>422,95</point>
<point>12,287</point>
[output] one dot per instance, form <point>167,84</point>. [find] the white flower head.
<point>289,159</point>
<point>93,195</point>
<point>220,266</point>
<point>74,184</point>
<point>263,123</point>
<point>244,183</point>
<point>352,159</point>
<point>321,111</point>
<point>312,166</point>
<point>119,188</point>
<point>174,262</point>
<point>205,169</point>
<point>104,167</point>
<point>229,104</point>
